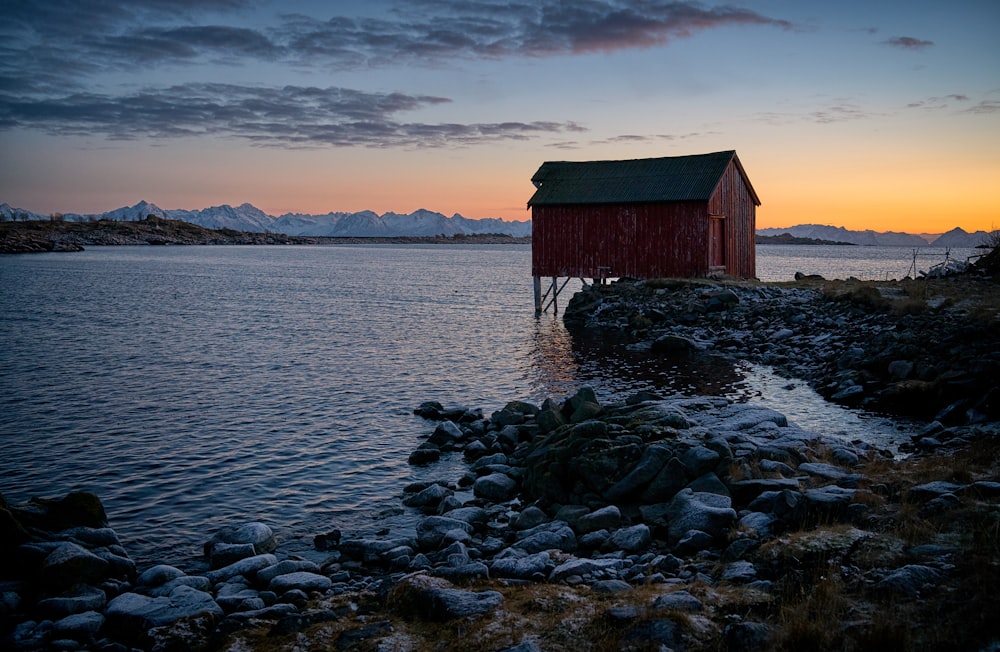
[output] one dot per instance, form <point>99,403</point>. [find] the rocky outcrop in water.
<point>899,348</point>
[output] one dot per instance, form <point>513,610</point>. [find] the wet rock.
<point>70,563</point>
<point>431,531</point>
<point>495,487</point>
<point>79,600</point>
<point>138,614</point>
<point>425,454</point>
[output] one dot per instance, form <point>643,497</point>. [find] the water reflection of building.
<point>565,361</point>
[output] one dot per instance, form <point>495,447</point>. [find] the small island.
<point>789,239</point>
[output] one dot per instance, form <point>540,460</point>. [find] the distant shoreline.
<point>39,236</point>
<point>789,239</point>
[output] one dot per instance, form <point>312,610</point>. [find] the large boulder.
<point>132,614</point>
<point>690,510</point>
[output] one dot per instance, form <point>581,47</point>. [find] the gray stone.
<point>522,568</point>
<point>561,537</point>
<point>70,564</point>
<point>678,601</point>
<point>194,581</point>
<point>758,524</point>
<point>474,516</point>
<point>443,604</point>
<point>630,539</point>
<point>157,575</point>
<point>488,460</point>
<point>610,586</point>
<point>424,454</point>
<point>79,626</point>
<point>594,540</point>
<point>649,465</point>
<point>370,550</point>
<point>91,537</point>
<point>430,497</point>
<point>446,432</point>
<point>709,483</point>
<point>476,570</point>
<point>301,580</point>
<point>826,471</point>
<point>265,575</point>
<point>605,518</point>
<point>931,490</point>
<point>694,541</point>
<point>571,514</point>
<point>584,411</point>
<point>246,567</point>
<point>82,599</point>
<point>670,479</point>
<point>699,460</point>
<point>495,487</point>
<point>431,531</point>
<point>583,567</point>
<point>256,534</point>
<point>739,572</point>
<point>134,612</point>
<point>699,511</point>
<point>910,580</point>
<point>530,517</point>
<point>223,554</point>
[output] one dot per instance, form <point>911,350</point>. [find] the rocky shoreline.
<point>662,522</point>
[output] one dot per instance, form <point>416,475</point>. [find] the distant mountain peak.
<point>957,237</point>
<point>247,217</point>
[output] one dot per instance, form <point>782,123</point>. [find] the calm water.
<point>193,387</point>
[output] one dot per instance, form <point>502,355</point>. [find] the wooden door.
<point>717,241</point>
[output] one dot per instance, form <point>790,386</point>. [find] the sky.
<point>868,115</point>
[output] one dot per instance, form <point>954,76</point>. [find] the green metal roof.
<point>667,179</point>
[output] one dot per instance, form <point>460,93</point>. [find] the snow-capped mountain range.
<point>247,217</point>
<point>957,237</point>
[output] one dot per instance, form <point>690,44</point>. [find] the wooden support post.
<point>555,295</point>
<point>538,294</point>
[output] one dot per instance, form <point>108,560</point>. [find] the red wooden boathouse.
<point>676,216</point>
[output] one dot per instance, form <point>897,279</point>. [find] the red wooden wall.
<point>647,240</point>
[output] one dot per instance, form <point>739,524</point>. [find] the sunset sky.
<point>881,115</point>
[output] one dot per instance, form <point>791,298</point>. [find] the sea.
<point>193,388</point>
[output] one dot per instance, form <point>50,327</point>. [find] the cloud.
<point>933,103</point>
<point>293,116</point>
<point>984,107</point>
<point>908,43</point>
<point>443,29</point>
<point>114,36</point>
<point>55,55</point>
<point>840,112</point>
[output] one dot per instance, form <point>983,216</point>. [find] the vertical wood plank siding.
<point>733,199</point>
<point>645,240</point>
